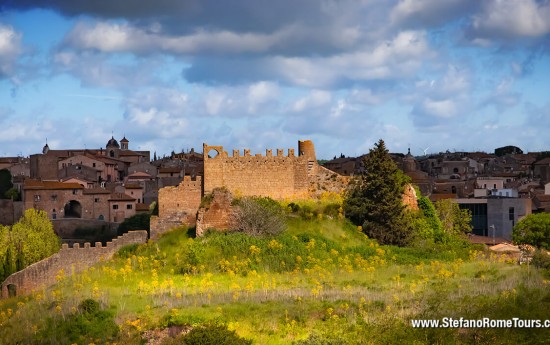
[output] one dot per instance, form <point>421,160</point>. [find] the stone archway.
<point>73,209</point>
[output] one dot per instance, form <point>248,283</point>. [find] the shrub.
<point>258,216</point>
<point>207,335</point>
<point>140,221</point>
<point>541,260</point>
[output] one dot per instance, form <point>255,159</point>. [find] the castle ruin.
<point>278,176</point>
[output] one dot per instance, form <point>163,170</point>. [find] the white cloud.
<point>503,19</point>
<point>10,49</point>
<point>260,94</point>
<point>315,99</point>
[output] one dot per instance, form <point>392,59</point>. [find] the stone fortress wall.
<point>278,176</point>
<point>274,174</point>
<point>177,206</point>
<point>69,260</point>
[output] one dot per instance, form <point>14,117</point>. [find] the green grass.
<point>321,279</point>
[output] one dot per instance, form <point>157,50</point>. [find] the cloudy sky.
<point>171,74</point>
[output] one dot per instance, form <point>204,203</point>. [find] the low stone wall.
<point>43,273</point>
<point>161,225</point>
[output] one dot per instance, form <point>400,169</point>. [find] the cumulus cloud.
<point>10,49</point>
<point>506,19</point>
<point>423,13</point>
<point>441,102</point>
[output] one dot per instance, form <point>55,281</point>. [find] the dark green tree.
<point>434,226</point>
<point>374,199</point>
<point>5,182</point>
<point>139,221</point>
<point>455,221</point>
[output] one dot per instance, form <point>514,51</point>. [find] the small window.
<point>74,191</point>
<point>511,213</point>
<point>93,164</point>
<point>115,207</point>
<point>129,206</point>
<point>96,200</point>
<point>37,198</point>
<point>54,197</point>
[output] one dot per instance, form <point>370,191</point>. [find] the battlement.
<point>216,152</point>
<point>69,259</point>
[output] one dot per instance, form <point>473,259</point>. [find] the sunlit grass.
<point>321,276</point>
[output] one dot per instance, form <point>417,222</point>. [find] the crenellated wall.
<point>43,273</point>
<point>277,176</point>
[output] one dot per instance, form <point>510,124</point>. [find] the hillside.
<point>320,282</point>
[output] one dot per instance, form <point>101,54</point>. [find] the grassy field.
<point>320,282</point>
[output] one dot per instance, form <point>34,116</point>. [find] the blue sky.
<point>172,74</point>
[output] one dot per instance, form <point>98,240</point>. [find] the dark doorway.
<point>73,209</point>
<point>12,290</point>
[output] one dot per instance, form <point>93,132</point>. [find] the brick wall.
<point>43,273</point>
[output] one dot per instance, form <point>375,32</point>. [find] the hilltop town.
<point>85,188</point>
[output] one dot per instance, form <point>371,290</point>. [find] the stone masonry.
<point>217,214</point>
<point>278,176</point>
<point>68,260</point>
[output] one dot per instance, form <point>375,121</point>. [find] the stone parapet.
<point>67,261</point>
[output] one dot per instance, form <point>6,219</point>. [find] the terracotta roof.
<point>132,186</point>
<point>436,197</point>
<point>97,191</point>
<point>139,174</point>
<point>129,153</point>
<point>34,184</point>
<point>79,177</point>
<point>544,161</point>
<point>142,207</point>
<point>120,197</point>
<point>169,170</point>
<point>9,159</point>
<point>485,239</point>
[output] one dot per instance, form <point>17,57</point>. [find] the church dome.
<point>112,143</point>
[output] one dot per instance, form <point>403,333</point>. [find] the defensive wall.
<point>278,176</point>
<point>177,206</point>
<point>275,174</point>
<point>68,260</point>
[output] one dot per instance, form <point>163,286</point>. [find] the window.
<point>93,164</point>
<point>453,189</point>
<point>54,197</point>
<point>37,198</point>
<point>511,213</point>
<point>96,200</point>
<point>115,207</point>
<point>74,191</point>
<point>129,206</point>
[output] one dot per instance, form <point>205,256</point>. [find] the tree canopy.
<point>29,240</point>
<point>534,230</point>
<point>375,199</point>
<point>5,183</point>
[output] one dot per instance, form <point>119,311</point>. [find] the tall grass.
<point>321,281</point>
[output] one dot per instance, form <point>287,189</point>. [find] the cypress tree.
<point>374,199</point>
